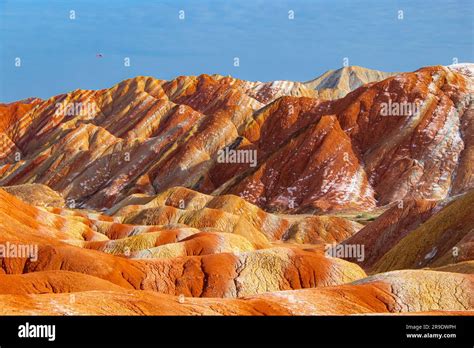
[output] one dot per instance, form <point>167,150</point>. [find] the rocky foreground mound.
<point>396,292</point>
<point>179,267</point>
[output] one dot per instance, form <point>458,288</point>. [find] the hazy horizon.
<point>59,54</point>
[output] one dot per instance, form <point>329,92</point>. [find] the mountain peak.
<point>335,84</point>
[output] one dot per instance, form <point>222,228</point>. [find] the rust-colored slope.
<point>22,223</point>
<point>52,282</point>
<point>445,238</point>
<point>318,169</point>
<point>403,155</point>
<point>389,228</point>
<point>12,113</point>
<point>395,292</point>
<point>217,275</point>
<point>239,272</point>
<point>410,155</point>
<point>146,135</point>
<point>13,121</point>
<point>229,213</point>
<point>36,194</point>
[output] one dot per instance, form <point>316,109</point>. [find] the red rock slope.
<point>395,292</point>
<point>193,263</point>
<point>146,135</point>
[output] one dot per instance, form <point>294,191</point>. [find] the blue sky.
<point>59,54</point>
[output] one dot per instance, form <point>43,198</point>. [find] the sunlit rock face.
<point>335,84</point>
<point>278,145</point>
